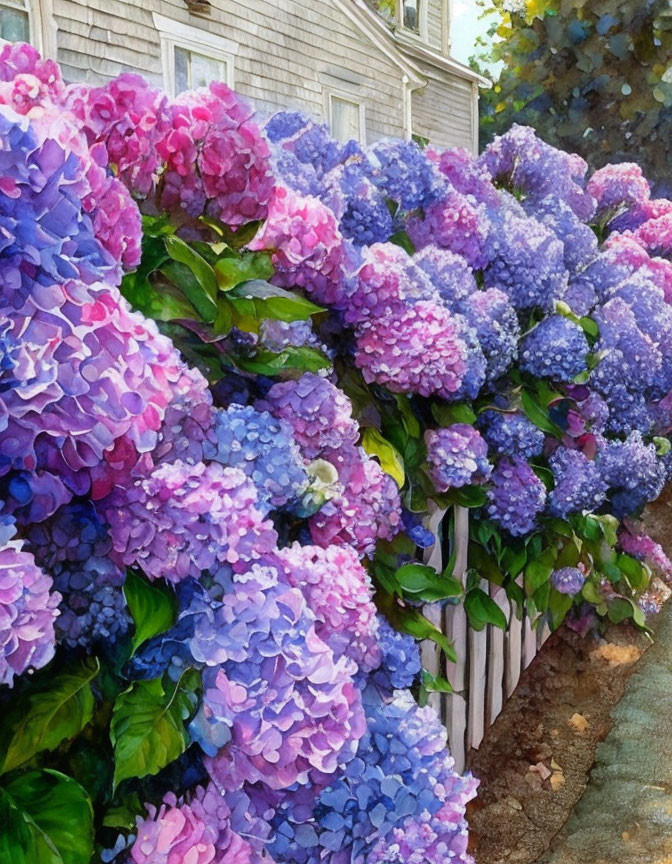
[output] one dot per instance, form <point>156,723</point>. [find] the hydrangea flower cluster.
<point>510,433</point>
<point>556,348</point>
<point>457,456</point>
<point>517,496</point>
<point>568,580</point>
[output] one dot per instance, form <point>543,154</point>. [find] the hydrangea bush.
<point>240,364</point>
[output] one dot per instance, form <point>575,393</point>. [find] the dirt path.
<point>535,761</point>
<point>625,814</point>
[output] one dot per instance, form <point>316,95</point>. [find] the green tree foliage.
<point>592,76</point>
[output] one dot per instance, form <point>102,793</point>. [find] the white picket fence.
<point>489,662</point>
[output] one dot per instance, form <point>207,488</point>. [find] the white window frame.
<point>41,24</point>
<point>344,96</point>
<point>173,34</point>
<point>422,33</point>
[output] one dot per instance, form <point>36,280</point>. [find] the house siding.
<point>290,52</point>
<point>443,111</point>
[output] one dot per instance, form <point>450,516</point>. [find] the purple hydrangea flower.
<point>516,498</point>
<point>568,580</point>
<point>449,273</point>
<point>467,175</point>
<point>263,448</point>
<point>404,174</point>
<point>319,414</point>
<point>633,472</point>
<point>494,319</point>
<point>457,456</point>
<point>277,335</point>
<point>555,348</point>
<point>510,433</point>
<point>457,223</point>
<point>619,186</point>
<point>578,239</point>
<point>578,483</point>
<point>400,664</point>
<point>365,217</point>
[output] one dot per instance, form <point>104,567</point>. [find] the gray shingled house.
<point>372,69</point>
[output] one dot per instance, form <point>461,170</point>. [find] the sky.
<point>465,26</point>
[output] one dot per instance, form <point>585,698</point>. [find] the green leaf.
<point>401,238</point>
<point>539,570</point>
<point>411,621</point>
<point>558,607</point>
<point>619,609</point>
<point>299,359</point>
<point>234,270</point>
<point>514,559</point>
<point>388,456</point>
<point>192,273</point>
<point>424,583</point>
<point>152,607</point>
<point>446,415</point>
<point>539,416</point>
<point>46,818</point>
<point>469,496</point>
<point>123,815</point>
<point>147,729</point>
<point>435,683</point>
<point>663,445</point>
<point>273,302</point>
<point>54,709</point>
<point>408,418</point>
<point>481,609</point>
<point>590,327</point>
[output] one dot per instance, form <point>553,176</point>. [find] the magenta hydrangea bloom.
<point>129,117</point>
<point>339,593</point>
<point>215,155</point>
<point>646,549</point>
<point>618,186</point>
<point>516,498</point>
<point>457,456</point>
<point>27,611</point>
<point>197,832</point>
<point>456,223</point>
<point>655,235</point>
<point>319,413</point>
<point>292,707</point>
<point>307,246</point>
<point>466,175</point>
<point>183,519</point>
<point>419,351</point>
<point>366,509</point>
<point>26,80</point>
<point>387,280</point>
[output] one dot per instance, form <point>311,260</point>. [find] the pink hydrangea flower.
<point>655,235</point>
<point>367,508</point>
<point>307,246</point>
<point>418,351</point>
<point>619,185</point>
<point>456,223</point>
<point>643,547</point>
<point>339,592</point>
<point>215,152</point>
<point>183,519</point>
<point>27,612</point>
<point>625,252</point>
<point>26,80</point>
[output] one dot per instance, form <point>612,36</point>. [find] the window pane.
<point>14,24</point>
<point>181,70</point>
<point>205,69</point>
<point>412,15</point>
<point>344,119</point>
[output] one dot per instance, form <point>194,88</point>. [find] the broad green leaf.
<point>619,609</point>
<point>590,327</point>
<point>234,239</point>
<point>411,621</point>
<point>252,265</point>
<point>152,607</point>
<point>663,445</point>
<point>402,239</point>
<point>469,496</point>
<point>182,277</point>
<point>424,583</point>
<point>270,301</point>
<point>485,564</point>
<point>184,254</point>
<point>514,559</point>
<point>46,818</point>
<point>558,607</point>
<point>54,709</point>
<point>446,415</point>
<point>408,418</point>
<point>224,318</point>
<point>300,359</point>
<point>481,609</point>
<point>435,683</point>
<point>539,570</point>
<point>123,815</point>
<point>389,458</point>
<point>147,729</point>
<point>634,572</point>
<point>539,416</point>
<point>192,273</point>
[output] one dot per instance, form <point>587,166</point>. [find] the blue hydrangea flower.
<point>264,448</point>
<point>510,433</point>
<point>457,456</point>
<point>366,217</point>
<point>578,483</point>
<point>404,174</point>
<point>516,498</point>
<point>568,580</point>
<point>633,472</point>
<point>449,273</point>
<point>556,348</point>
<point>400,664</point>
<point>494,319</point>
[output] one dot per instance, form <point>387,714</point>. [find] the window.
<point>346,118</point>
<point>193,57</point>
<point>410,10</point>
<point>14,21</point>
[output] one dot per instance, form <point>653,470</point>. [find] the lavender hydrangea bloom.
<point>401,774</point>
<point>568,580</point>
<point>457,223</point>
<point>319,414</point>
<point>578,239</point>
<point>494,319</point>
<point>516,498</point>
<point>555,348</point>
<point>73,534</point>
<point>510,433</point>
<point>93,608</point>
<point>27,611</point>
<point>578,483</point>
<point>365,217</point>
<point>263,448</point>
<point>404,174</point>
<point>449,273</point>
<point>292,707</point>
<point>183,519</point>
<point>633,472</point>
<point>457,456</point>
<point>400,664</point>
<point>618,186</point>
<point>277,335</point>
<point>526,261</point>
